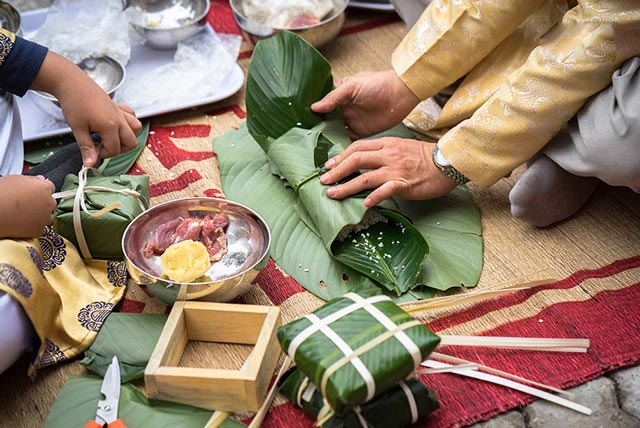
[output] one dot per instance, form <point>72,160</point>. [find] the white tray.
<point>371,5</point>
<point>37,124</point>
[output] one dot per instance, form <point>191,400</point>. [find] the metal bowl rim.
<point>333,16</point>
<point>48,96</point>
<point>196,20</point>
<point>200,198</point>
<point>13,8</point>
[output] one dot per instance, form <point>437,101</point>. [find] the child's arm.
<point>27,206</point>
<point>86,107</point>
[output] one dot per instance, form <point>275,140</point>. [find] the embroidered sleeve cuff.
<point>21,65</point>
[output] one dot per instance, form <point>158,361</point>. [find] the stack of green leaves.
<point>132,338</point>
<point>356,347</point>
<point>77,402</point>
<point>273,165</point>
<point>400,406</point>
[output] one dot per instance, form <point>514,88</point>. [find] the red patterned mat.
<point>595,256</point>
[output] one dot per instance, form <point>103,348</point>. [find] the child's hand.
<point>27,206</point>
<point>87,109</point>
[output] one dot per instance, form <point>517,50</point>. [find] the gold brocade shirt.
<point>528,67</point>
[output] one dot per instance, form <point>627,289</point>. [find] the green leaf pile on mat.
<point>130,337</point>
<point>272,164</point>
<point>77,402</point>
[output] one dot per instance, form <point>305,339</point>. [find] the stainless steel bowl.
<point>107,72</point>
<point>165,23</point>
<point>248,240</point>
<point>10,18</point>
<point>318,35</point>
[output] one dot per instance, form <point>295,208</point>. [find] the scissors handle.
<point>118,423</point>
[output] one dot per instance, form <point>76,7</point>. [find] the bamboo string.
<point>487,369</point>
<point>217,418</point>
<point>514,385</point>
<point>262,412</point>
<point>524,343</point>
<point>445,302</point>
<point>452,369</point>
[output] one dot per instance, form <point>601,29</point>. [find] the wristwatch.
<point>447,169</point>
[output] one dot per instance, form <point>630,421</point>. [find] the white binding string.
<point>313,328</point>
<point>79,203</point>
<point>358,411</point>
<point>307,393</point>
<point>386,322</point>
<point>514,385</point>
<point>412,402</point>
<point>355,355</point>
<point>344,347</point>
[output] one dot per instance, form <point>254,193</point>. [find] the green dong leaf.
<point>122,163</point>
<point>77,402</point>
<point>130,337</point>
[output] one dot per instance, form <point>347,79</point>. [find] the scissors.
<point>107,413</point>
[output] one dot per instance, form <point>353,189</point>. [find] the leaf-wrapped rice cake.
<point>356,347</point>
<point>400,406</point>
<point>103,234</point>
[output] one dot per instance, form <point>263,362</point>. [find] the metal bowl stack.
<point>165,23</point>
<point>316,34</point>
<point>248,240</point>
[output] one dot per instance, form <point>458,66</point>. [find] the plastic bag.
<point>200,65</point>
<point>77,29</point>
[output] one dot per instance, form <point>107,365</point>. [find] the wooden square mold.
<point>215,389</point>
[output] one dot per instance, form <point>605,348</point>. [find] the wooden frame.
<point>215,389</point>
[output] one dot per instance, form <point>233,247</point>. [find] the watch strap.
<point>449,170</point>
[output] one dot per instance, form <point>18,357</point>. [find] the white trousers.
<point>603,139</point>
<point>11,144</point>
<point>16,334</point>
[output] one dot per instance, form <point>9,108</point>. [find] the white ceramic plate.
<point>37,125</point>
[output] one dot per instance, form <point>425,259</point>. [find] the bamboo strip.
<point>487,369</point>
<point>514,385</point>
<point>445,302</point>
<point>217,418</point>
<point>524,343</point>
<point>452,369</point>
<point>262,412</point>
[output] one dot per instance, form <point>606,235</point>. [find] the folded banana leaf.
<point>103,234</point>
<point>286,75</point>
<point>400,406</point>
<point>130,337</point>
<point>77,402</point>
<point>356,347</point>
<point>299,142</point>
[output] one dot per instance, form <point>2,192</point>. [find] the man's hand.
<point>371,102</point>
<point>395,167</point>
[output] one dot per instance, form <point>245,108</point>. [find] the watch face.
<point>440,159</point>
